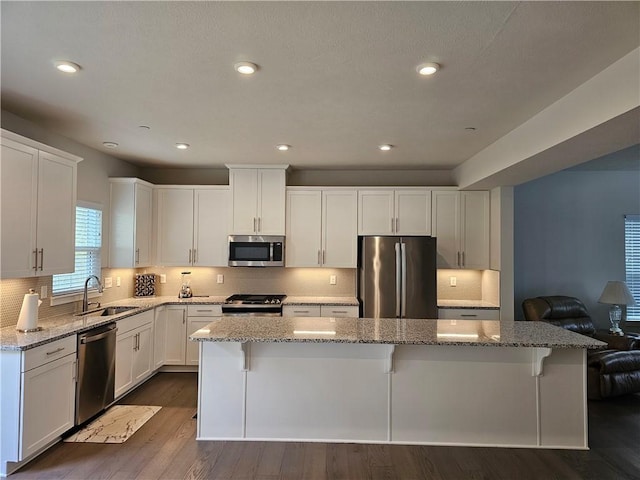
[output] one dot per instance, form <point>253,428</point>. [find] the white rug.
<point>116,425</point>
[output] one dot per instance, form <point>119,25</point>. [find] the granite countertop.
<point>471,304</point>
<point>55,328</point>
<point>343,301</point>
<point>392,331</point>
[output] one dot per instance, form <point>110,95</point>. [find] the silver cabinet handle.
<point>189,255</point>
<point>184,316</point>
<point>301,311</point>
<point>319,260</point>
<point>458,261</point>
<point>397,227</point>
<point>202,311</point>
<point>254,225</point>
<point>194,256</point>
<point>392,229</point>
<point>324,257</point>
<point>462,260</point>
<point>53,352</point>
<point>468,315</point>
<point>41,259</point>
<point>338,311</point>
<point>35,266</point>
<point>137,255</point>
<point>259,224</point>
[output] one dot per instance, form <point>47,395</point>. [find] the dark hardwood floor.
<point>165,448</point>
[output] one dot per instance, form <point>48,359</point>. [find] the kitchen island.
<point>410,381</point>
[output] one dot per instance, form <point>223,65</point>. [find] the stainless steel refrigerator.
<point>397,277</point>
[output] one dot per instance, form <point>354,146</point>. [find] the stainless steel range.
<point>252,304</point>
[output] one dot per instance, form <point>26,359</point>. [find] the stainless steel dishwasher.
<point>96,371</point>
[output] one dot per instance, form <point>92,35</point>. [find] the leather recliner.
<point>611,372</point>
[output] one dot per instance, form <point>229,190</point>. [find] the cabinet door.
<point>143,353</point>
<point>143,209</point>
<point>159,337</point>
<point>211,228</point>
<point>48,400</point>
<point>56,214</point>
<point>304,228</point>
<point>18,208</point>
<point>271,202</point>
<point>125,344</point>
<point>445,226</point>
<point>475,229</point>
<point>175,226</point>
<point>413,212</point>
<point>375,212</point>
<point>176,335</point>
<point>339,229</point>
<point>193,325</point>
<point>244,201</point>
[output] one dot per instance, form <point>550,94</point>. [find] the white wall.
<point>569,235</point>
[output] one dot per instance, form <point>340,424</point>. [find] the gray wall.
<point>569,234</point>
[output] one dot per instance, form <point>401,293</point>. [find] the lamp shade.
<point>616,293</point>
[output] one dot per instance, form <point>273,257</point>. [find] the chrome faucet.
<point>85,298</point>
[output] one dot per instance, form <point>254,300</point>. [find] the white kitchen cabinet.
<point>159,337</point>
<point>469,313</point>
<point>37,404</point>
<point>405,211</point>
<point>131,201</point>
<point>321,228</point>
<point>176,333</point>
<point>198,316</point>
<point>134,351</point>
<point>320,311</point>
<point>257,200</point>
<point>192,226</point>
<point>38,208</point>
<point>461,224</point>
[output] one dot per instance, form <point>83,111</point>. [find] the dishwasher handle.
<point>94,338</point>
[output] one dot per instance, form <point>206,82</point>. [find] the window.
<point>88,245</point>
<point>632,262</point>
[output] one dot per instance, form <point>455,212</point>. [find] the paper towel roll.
<point>28,319</point>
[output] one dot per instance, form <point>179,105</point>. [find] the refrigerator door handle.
<point>404,279</point>
<point>398,279</point>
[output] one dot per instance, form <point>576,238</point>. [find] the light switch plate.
<point>44,291</point>
<point>108,282</point>
<point>118,281</point>
<point>163,278</point>
<point>220,278</point>
<point>453,281</point>
<point>332,280</point>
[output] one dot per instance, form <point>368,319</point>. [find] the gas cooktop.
<point>254,299</point>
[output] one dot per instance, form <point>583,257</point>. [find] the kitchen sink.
<point>115,310</point>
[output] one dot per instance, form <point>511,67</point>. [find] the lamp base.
<point>615,315</point>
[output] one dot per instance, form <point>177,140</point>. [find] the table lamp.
<point>616,293</point>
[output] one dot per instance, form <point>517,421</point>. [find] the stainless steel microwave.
<point>256,251</point>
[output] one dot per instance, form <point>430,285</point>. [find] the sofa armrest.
<point>630,341</point>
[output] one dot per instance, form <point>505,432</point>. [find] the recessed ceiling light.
<point>428,68</point>
<point>283,147</point>
<point>386,147</point>
<point>245,68</point>
<point>67,67</point>
<point>110,144</point>
<point>182,146</point>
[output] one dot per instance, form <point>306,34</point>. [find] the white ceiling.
<point>336,79</point>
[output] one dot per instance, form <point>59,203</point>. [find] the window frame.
<point>63,298</point>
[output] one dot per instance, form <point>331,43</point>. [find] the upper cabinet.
<point>257,200</point>
<point>405,211</point>
<point>37,207</point>
<point>460,222</point>
<point>321,228</point>
<point>192,226</point>
<point>131,202</point>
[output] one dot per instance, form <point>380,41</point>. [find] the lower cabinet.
<point>134,351</point>
<point>38,398</point>
<point>320,311</point>
<point>176,334</point>
<point>469,313</point>
<point>199,316</point>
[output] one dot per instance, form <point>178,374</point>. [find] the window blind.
<point>88,246</point>
<point>632,262</point>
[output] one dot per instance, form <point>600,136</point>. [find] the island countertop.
<point>392,331</point>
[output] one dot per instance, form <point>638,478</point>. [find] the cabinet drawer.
<point>339,311</point>
<point>301,311</point>
<point>129,323</point>
<point>49,352</point>
<point>468,314</point>
<point>204,310</point>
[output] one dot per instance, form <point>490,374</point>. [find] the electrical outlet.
<point>332,280</point>
<point>44,291</point>
<point>163,278</point>
<point>108,282</point>
<point>118,283</point>
<point>453,281</point>
<point>220,278</point>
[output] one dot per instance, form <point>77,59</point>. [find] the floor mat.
<point>116,425</point>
